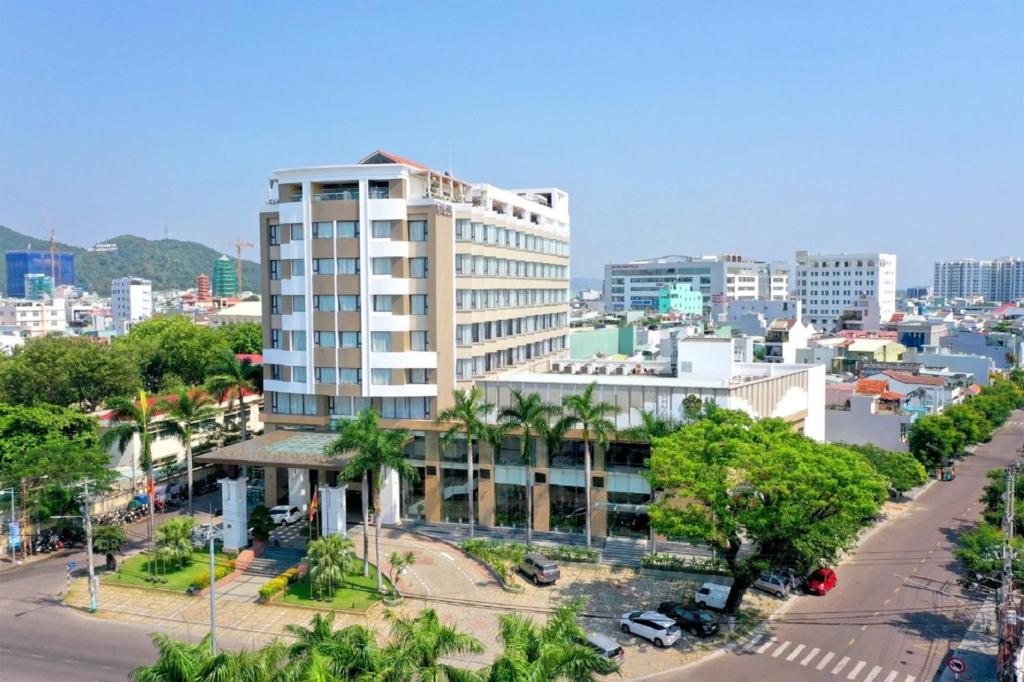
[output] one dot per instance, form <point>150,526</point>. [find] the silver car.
<point>773,583</point>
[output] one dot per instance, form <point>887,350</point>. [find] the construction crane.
<point>239,245</point>
<point>54,267</point>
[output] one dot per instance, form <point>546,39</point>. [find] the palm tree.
<point>651,426</point>
<point>328,557</point>
<point>174,537</point>
<point>383,451</point>
<point>355,435</point>
<point>183,412</point>
<point>530,416</point>
<point>321,652</point>
<point>555,651</point>
<point>592,418</point>
<point>176,661</point>
<point>466,416</point>
<point>418,644</point>
<point>259,665</point>
<point>131,418</point>
<point>232,379</point>
<point>109,540</point>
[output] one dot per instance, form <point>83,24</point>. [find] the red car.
<point>821,581</point>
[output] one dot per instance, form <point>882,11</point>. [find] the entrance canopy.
<point>293,449</point>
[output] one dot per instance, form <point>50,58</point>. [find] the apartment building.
<point>131,301</point>
<point>636,285</point>
<point>35,318</point>
<point>828,284</point>
<point>993,280</point>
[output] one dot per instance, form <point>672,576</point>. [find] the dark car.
<point>695,621</point>
<point>539,568</point>
<point>821,581</point>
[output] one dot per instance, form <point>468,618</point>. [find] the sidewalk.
<point>977,649</point>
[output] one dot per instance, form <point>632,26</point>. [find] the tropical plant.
<point>174,537</point>
<point>184,411</point>
<point>355,435</point>
<point>176,661</point>
<point>466,416</point>
<point>233,379</point>
<point>399,563</point>
<point>651,426</point>
<point>528,414</point>
<point>322,653</point>
<point>109,540</point>
<point>592,417</point>
<point>419,645</point>
<point>262,523</point>
<point>132,418</point>
<point>327,560</point>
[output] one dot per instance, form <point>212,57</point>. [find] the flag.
<point>313,505</point>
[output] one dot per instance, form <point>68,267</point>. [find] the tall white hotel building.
<point>827,283</point>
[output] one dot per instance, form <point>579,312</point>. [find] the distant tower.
<point>203,288</point>
<point>225,280</point>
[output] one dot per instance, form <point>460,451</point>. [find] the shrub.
<point>503,557</point>
<point>672,562</point>
<point>201,582</point>
<point>279,583</point>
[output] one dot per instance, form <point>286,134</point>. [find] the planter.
<point>515,588</point>
<point>393,600</point>
<point>258,547</point>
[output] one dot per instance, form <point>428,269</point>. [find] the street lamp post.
<point>86,517</point>
<point>211,535</point>
<point>10,535</point>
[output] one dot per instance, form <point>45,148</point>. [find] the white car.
<point>284,515</point>
<point>652,626</point>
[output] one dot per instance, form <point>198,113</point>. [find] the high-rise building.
<point>636,285</point>
<point>203,288</point>
<point>225,279</point>
<point>131,301</point>
<point>390,284</point>
<point>994,280</point>
<point>830,283</point>
<point>38,286</point>
<point>61,267</point>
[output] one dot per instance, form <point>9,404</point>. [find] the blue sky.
<point>687,128</point>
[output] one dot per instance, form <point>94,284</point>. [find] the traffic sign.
<point>956,664</point>
<point>71,566</point>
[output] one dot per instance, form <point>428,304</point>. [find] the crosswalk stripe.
<point>910,678</point>
<point>856,670</point>
<point>810,657</point>
<point>840,665</point>
<point>873,674</point>
<point>824,661</point>
<point>782,647</point>
<point>795,652</point>
<point>892,676</point>
<point>764,647</point>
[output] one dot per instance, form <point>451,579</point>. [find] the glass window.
<point>348,303</point>
<point>275,338</point>
<point>509,505</point>
<point>380,377</point>
<point>274,234</point>
<point>324,339</point>
<point>323,304</point>
<point>380,342</point>
<point>275,372</point>
<point>298,267</point>
<point>382,304</point>
<point>414,495</point>
<point>275,304</point>
<point>418,341</point>
<point>296,232</point>
<point>323,266</point>
<point>298,304</point>
<point>454,503</point>
<point>348,229</point>
<point>298,373</point>
<point>624,455</point>
<point>417,376</point>
<point>348,266</point>
<point>351,339</point>
<point>418,230</point>
<point>275,269</point>
<point>418,267</point>
<point>325,375</point>
<point>323,230</point>
<point>382,229</point>
<point>298,340</point>
<point>568,508</point>
<point>348,375</point>
<point>418,304</point>
<point>382,266</point>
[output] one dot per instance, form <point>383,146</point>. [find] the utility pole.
<point>1006,614</point>
<point>87,517</point>
<point>10,528</point>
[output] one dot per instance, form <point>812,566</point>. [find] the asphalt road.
<point>897,611</point>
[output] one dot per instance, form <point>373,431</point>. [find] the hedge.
<point>673,562</point>
<point>279,583</point>
<point>202,581</point>
<point>503,557</point>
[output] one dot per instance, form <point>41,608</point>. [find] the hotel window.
<point>462,230</point>
<point>382,266</point>
<point>325,375</point>
<point>380,377</point>
<point>464,370</point>
<point>274,235</point>
<point>323,304</point>
<point>298,374</point>
<point>348,303</point>
<point>275,304</point>
<point>348,375</point>
<point>418,304</point>
<point>275,338</point>
<point>348,229</point>
<point>275,269</point>
<point>324,230</point>
<point>418,267</point>
<point>323,266</point>
<point>348,266</point>
<point>380,342</point>
<point>296,232</point>
<point>298,267</point>
<point>417,376</point>
<point>382,304</point>
<point>298,340</point>
<point>417,230</point>
<point>418,341</point>
<point>382,229</point>
<point>351,339</point>
<point>298,304</point>
<point>275,372</point>
<point>324,339</point>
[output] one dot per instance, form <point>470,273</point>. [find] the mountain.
<point>169,263</point>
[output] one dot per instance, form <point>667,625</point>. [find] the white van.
<point>712,595</point>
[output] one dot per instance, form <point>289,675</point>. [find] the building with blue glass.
<point>21,263</point>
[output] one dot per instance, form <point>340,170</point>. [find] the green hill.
<point>169,263</point>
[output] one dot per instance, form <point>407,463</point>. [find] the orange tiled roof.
<point>872,386</point>
<point>922,379</point>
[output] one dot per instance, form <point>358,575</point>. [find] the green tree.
<point>355,435</point>
<point>320,652</point>
<point>419,645</point>
<point>109,540</point>
<point>262,523</point>
<point>651,426</point>
<point>184,411</point>
<point>980,551</point>
<point>592,418</point>
<point>399,564</point>
<point>736,483</point>
<point>530,416</point>
<point>467,416</point>
<point>934,439</point>
<point>974,425</point>
<point>174,536</point>
<point>133,419</point>
<point>176,661</point>
<point>172,345</point>
<point>233,379</point>
<point>245,338</point>
<point>900,469</point>
<point>557,650</point>
<point>66,371</point>
<point>328,558</point>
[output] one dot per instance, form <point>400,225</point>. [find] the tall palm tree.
<point>583,410</point>
<point>232,379</point>
<point>651,426</point>
<point>355,435</point>
<point>418,645</point>
<point>175,538</point>
<point>384,451</point>
<point>176,661</point>
<point>259,665</point>
<point>466,416</point>
<point>530,416</point>
<point>555,651</point>
<point>130,419</point>
<point>321,652</point>
<point>184,411</point>
<point>328,557</point>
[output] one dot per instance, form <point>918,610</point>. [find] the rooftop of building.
<point>919,379</point>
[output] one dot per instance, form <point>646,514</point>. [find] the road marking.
<point>931,551</point>
<point>795,652</point>
<point>447,556</point>
<point>924,560</point>
<point>891,677</point>
<point>824,661</point>
<point>910,678</point>
<point>850,643</point>
<point>842,664</point>
<point>873,674</point>
<point>764,647</point>
<point>856,670</point>
<point>782,647</point>
<point>915,569</point>
<point>863,628</point>
<point>810,657</point>
<point>886,602</point>
<point>896,591</point>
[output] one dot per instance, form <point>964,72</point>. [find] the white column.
<point>332,510</point>
<point>390,495</point>
<point>236,514</point>
<point>298,488</point>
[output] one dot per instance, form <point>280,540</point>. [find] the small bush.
<point>201,582</point>
<point>279,583</point>
<point>672,562</point>
<point>503,557</point>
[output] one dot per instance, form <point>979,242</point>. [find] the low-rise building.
<point>1004,348</point>
<point>680,299</point>
<point>784,338</point>
<point>939,392</point>
<point>34,318</point>
<point>243,311</point>
<point>979,366</point>
<point>869,412</point>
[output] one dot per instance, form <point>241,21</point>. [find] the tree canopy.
<point>171,347</point>
<point>243,337</point>
<point>900,469</point>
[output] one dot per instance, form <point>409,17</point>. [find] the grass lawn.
<point>356,594</point>
<point>141,570</point>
